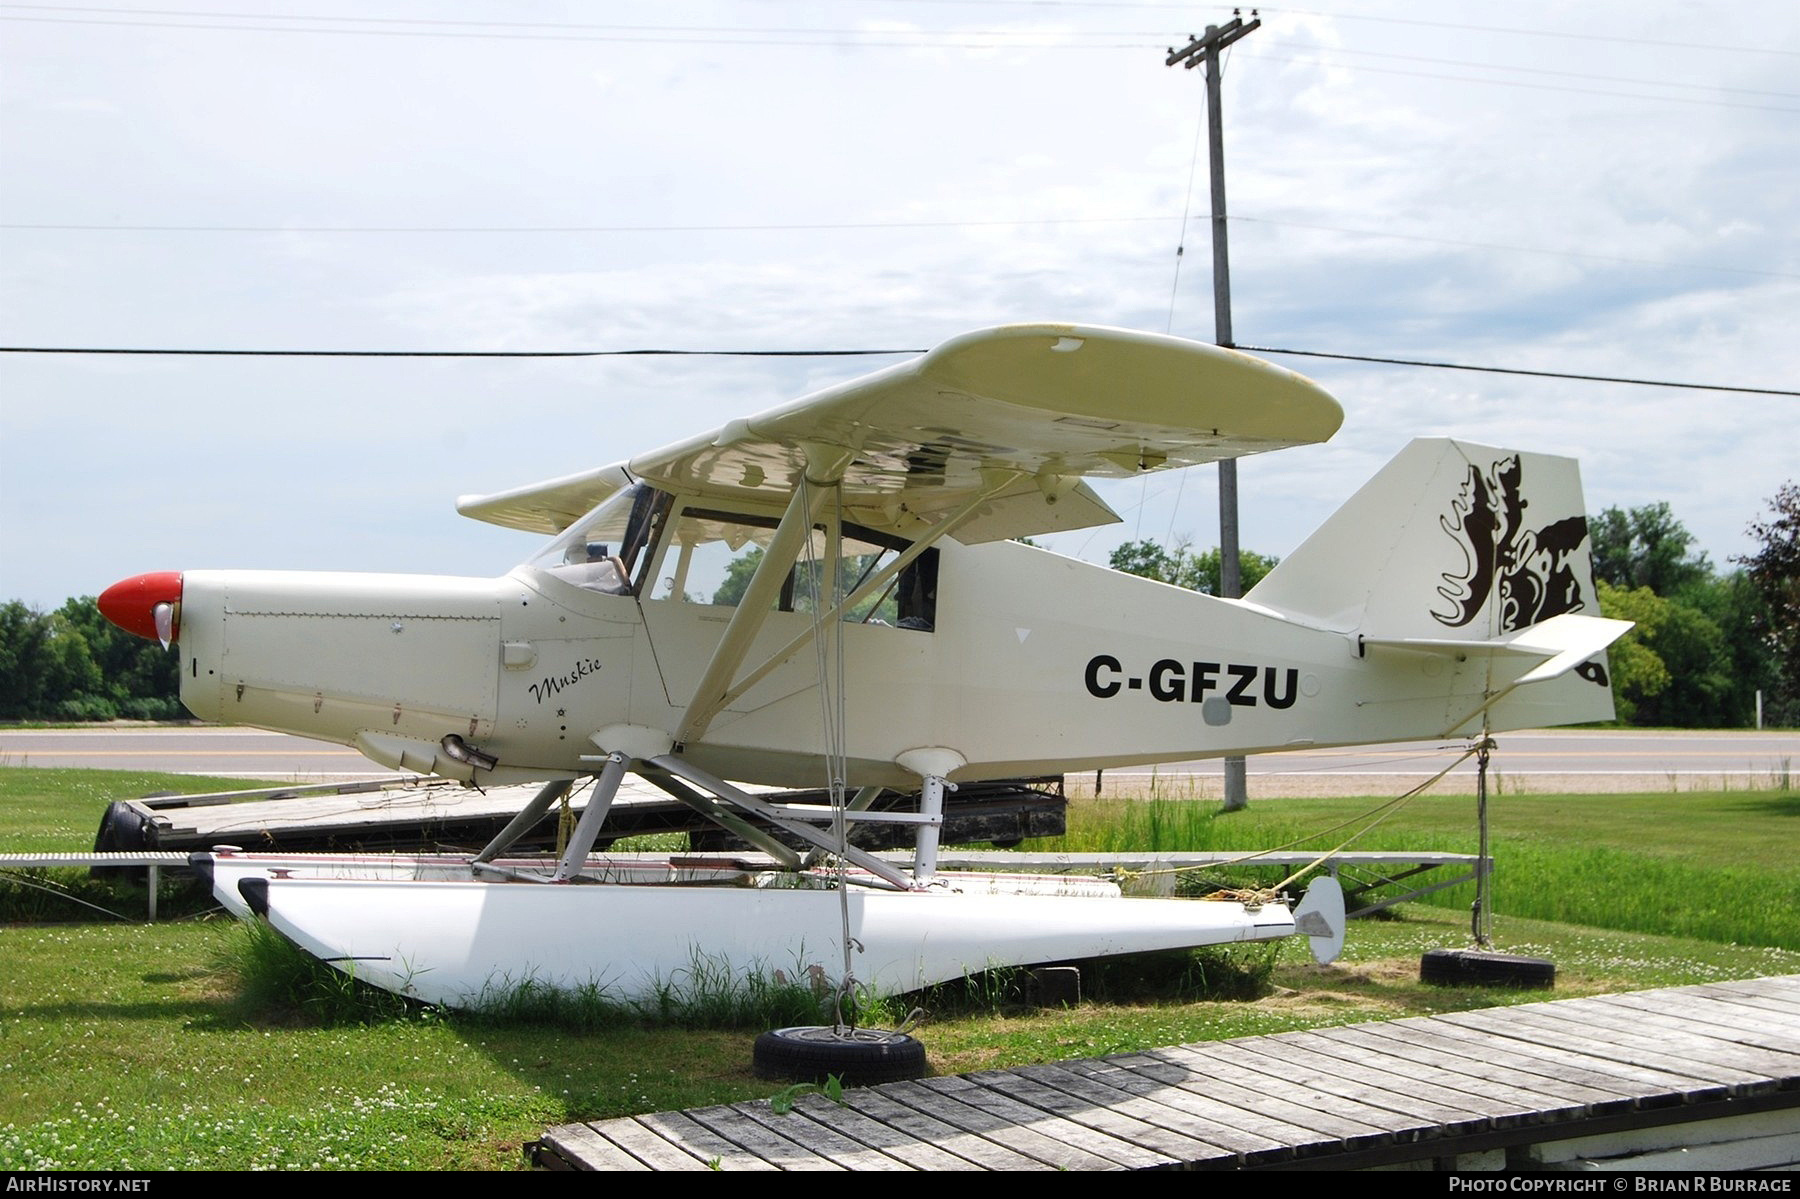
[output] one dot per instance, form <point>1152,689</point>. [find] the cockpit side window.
<point>710,556</point>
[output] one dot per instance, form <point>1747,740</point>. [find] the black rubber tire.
<point>859,1057</point>
<point>1474,967</point>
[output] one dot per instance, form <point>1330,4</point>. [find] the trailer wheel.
<point>859,1057</point>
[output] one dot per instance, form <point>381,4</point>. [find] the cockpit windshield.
<point>604,549</point>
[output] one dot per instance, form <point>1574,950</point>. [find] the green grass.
<point>59,810</point>
<point>1718,866</point>
<point>147,1047</point>
<point>134,1048</point>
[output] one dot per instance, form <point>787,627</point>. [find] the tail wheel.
<point>859,1057</point>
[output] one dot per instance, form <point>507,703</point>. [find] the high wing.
<point>1042,405</point>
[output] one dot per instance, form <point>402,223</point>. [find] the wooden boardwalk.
<point>1479,1089</point>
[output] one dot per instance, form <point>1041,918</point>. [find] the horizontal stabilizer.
<point>1569,641</point>
<point>1561,643</point>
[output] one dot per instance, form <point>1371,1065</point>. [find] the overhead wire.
<point>1040,5</point>
<point>783,35</point>
<point>1507,370</point>
<point>856,353</point>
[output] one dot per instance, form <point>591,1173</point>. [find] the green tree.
<point>1774,572</point>
<point>1703,634</point>
<point>45,667</point>
<point>737,577</point>
<point>1147,560</point>
<point>1638,672</point>
<point>1646,547</point>
<point>73,664</point>
<point>1183,567</point>
<point>1204,570</point>
<point>1738,662</point>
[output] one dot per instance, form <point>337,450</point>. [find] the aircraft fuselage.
<point>1035,663</point>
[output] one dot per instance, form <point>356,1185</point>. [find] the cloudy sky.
<point>1606,188</point>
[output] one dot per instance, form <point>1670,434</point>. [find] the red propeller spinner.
<point>148,605</point>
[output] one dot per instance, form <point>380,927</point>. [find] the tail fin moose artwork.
<point>835,585</point>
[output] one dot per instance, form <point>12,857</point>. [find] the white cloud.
<point>1619,198</point>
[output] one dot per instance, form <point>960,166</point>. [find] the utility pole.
<point>1198,51</point>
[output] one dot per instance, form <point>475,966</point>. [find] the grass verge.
<point>143,1047</point>
<point>1716,866</point>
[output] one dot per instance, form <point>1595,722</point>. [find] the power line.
<point>1490,66</point>
<point>1509,370</point>
<point>724,228</point>
<point>1553,33</point>
<point>681,35</point>
<point>1266,11</point>
<point>1067,5</point>
<point>1539,87</point>
<point>844,353</point>
<point>456,353</point>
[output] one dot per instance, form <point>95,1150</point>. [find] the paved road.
<point>218,751</point>
<point>1578,761</point>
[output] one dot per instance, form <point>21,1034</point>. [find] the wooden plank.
<point>1271,1079</point>
<point>1324,1074</point>
<point>730,1124</point>
<point>1003,1112</point>
<point>976,1151</point>
<point>1784,988</point>
<point>1504,1105</point>
<point>828,1142</point>
<point>1180,1124</point>
<point>1302,1127</point>
<point>701,1141</point>
<point>1632,1022</point>
<point>654,1150</point>
<point>1640,1085</point>
<point>1690,1084</point>
<point>1718,1014</point>
<point>1153,1143</point>
<point>1223,1139</point>
<point>887,1139</point>
<point>580,1145</point>
<point>1715,1021</point>
<point>1747,1071</point>
<point>1775,1007</point>
<point>1416,1057</point>
<point>1046,1150</point>
<point>1462,1057</point>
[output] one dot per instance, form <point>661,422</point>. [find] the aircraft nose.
<point>147,605</point>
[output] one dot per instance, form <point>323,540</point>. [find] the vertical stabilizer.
<point>1455,550</point>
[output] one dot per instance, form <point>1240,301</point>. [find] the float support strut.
<point>612,773</point>
<point>529,815</point>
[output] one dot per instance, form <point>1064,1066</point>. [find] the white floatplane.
<point>830,591</point>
